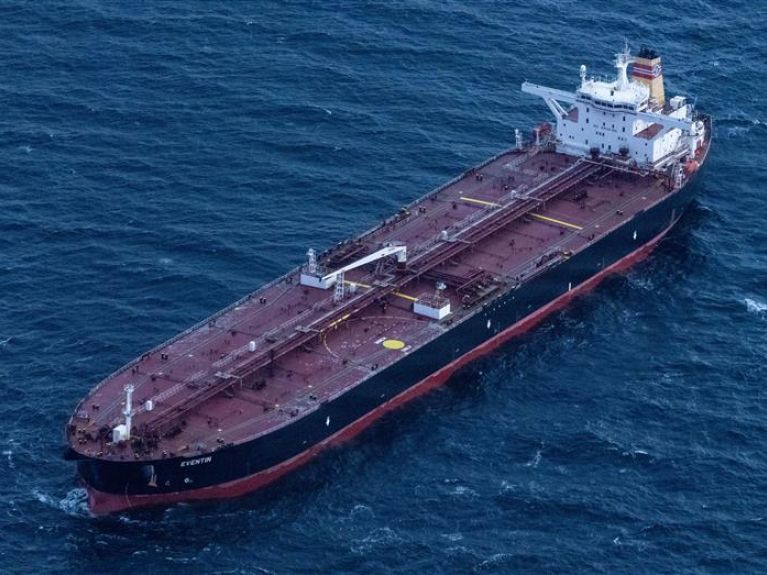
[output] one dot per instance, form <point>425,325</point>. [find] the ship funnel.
<point>648,71</point>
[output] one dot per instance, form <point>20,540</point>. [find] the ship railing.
<point>288,340</point>
<point>212,318</point>
<point>372,364</point>
<point>531,268</point>
<point>212,388</point>
<point>455,180</point>
<point>297,269</point>
<point>455,228</point>
<point>292,322</point>
<point>492,220</point>
<point>468,222</point>
<point>279,332</point>
<point>465,226</point>
<point>165,419</point>
<point>528,270</point>
<point>207,380</point>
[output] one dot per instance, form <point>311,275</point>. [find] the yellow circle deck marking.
<point>393,344</point>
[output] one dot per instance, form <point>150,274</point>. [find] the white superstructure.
<point>624,117</point>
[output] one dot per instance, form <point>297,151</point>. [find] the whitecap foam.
<point>495,560</point>
<point>362,511</point>
<point>74,503</point>
<point>755,306</point>
<point>535,460</point>
<point>734,131</point>
<point>743,127</point>
<point>382,536</point>
<point>463,491</point>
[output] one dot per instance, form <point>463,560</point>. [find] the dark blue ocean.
<point>160,160</point>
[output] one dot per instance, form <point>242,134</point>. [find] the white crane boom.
<point>552,97</point>
<point>667,121</point>
<point>328,280</point>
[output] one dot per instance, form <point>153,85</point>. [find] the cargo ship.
<point>315,356</point>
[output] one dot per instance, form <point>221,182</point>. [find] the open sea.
<point>160,160</point>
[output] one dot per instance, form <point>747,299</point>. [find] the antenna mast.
<point>128,410</point>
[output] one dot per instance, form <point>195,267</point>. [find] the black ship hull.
<point>238,469</point>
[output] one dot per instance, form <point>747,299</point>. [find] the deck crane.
<point>312,275</point>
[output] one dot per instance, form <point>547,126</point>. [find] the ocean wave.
<point>380,537</point>
<point>74,503</point>
<point>535,460</point>
<point>755,306</point>
<point>740,126</point>
<point>149,178</point>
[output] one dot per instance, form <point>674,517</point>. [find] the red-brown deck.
<point>205,389</point>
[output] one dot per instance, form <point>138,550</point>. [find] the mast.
<point>622,61</point>
<point>122,431</point>
<point>128,409</point>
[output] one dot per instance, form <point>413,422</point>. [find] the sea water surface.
<point>160,160</point>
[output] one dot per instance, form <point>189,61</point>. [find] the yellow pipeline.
<point>480,202</point>
<point>339,320</point>
<point>398,294</point>
<point>553,221</point>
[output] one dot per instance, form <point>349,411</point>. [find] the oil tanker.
<point>315,356</point>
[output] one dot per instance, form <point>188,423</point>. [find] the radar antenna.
<point>622,61</point>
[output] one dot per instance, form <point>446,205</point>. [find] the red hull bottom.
<point>103,503</point>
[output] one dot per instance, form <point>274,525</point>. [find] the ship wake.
<point>74,503</point>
